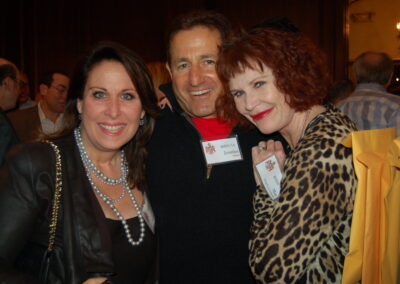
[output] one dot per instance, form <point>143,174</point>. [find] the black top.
<point>133,264</point>
<point>203,223</point>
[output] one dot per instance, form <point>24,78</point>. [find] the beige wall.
<point>379,34</point>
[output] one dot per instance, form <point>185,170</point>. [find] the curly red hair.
<point>299,67</point>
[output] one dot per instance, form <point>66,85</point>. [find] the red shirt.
<point>212,128</point>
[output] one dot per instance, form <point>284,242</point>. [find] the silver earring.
<point>80,116</point>
<point>141,122</point>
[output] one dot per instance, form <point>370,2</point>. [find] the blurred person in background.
<point>370,106</point>
<point>47,116</point>
<point>24,99</point>
<point>9,89</point>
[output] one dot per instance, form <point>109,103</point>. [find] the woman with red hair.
<point>278,81</point>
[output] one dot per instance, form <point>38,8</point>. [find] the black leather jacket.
<point>83,246</point>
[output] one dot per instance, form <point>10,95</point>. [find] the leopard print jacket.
<point>303,235</point>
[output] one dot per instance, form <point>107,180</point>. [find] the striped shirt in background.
<point>371,107</point>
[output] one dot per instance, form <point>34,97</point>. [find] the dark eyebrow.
<point>94,87</point>
<point>180,60</point>
<point>129,90</point>
<point>207,56</point>
<point>203,56</point>
<point>105,90</point>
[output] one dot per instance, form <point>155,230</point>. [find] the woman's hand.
<point>265,150</point>
<point>96,280</point>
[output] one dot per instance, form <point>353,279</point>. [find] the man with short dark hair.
<point>370,106</point>
<point>203,207</point>
<point>47,116</point>
<point>9,89</point>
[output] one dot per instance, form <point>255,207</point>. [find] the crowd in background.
<point>145,199</point>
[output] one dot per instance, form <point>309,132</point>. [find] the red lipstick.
<point>261,115</point>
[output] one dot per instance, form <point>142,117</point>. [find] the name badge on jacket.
<point>221,150</point>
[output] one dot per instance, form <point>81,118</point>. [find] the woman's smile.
<point>261,114</point>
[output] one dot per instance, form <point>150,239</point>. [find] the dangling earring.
<point>141,122</point>
<point>80,116</point>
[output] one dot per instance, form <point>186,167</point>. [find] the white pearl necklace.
<point>90,167</point>
<point>99,174</point>
<point>108,200</point>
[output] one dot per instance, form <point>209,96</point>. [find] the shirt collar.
<point>370,86</point>
<point>42,116</point>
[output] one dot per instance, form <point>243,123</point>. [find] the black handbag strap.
<point>56,198</point>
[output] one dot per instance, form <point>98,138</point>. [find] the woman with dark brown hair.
<point>278,81</point>
<point>104,231</point>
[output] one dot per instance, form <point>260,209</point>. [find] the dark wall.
<point>39,35</point>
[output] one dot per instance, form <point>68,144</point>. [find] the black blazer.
<point>26,123</point>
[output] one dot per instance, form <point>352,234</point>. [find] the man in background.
<point>24,99</point>
<point>9,90</point>
<point>47,116</point>
<point>370,106</point>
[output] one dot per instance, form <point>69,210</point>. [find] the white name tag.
<point>221,151</point>
<point>270,175</point>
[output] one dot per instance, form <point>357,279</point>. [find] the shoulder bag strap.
<point>56,198</point>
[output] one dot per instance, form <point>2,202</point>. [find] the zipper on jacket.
<point>187,118</point>
<point>209,169</point>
